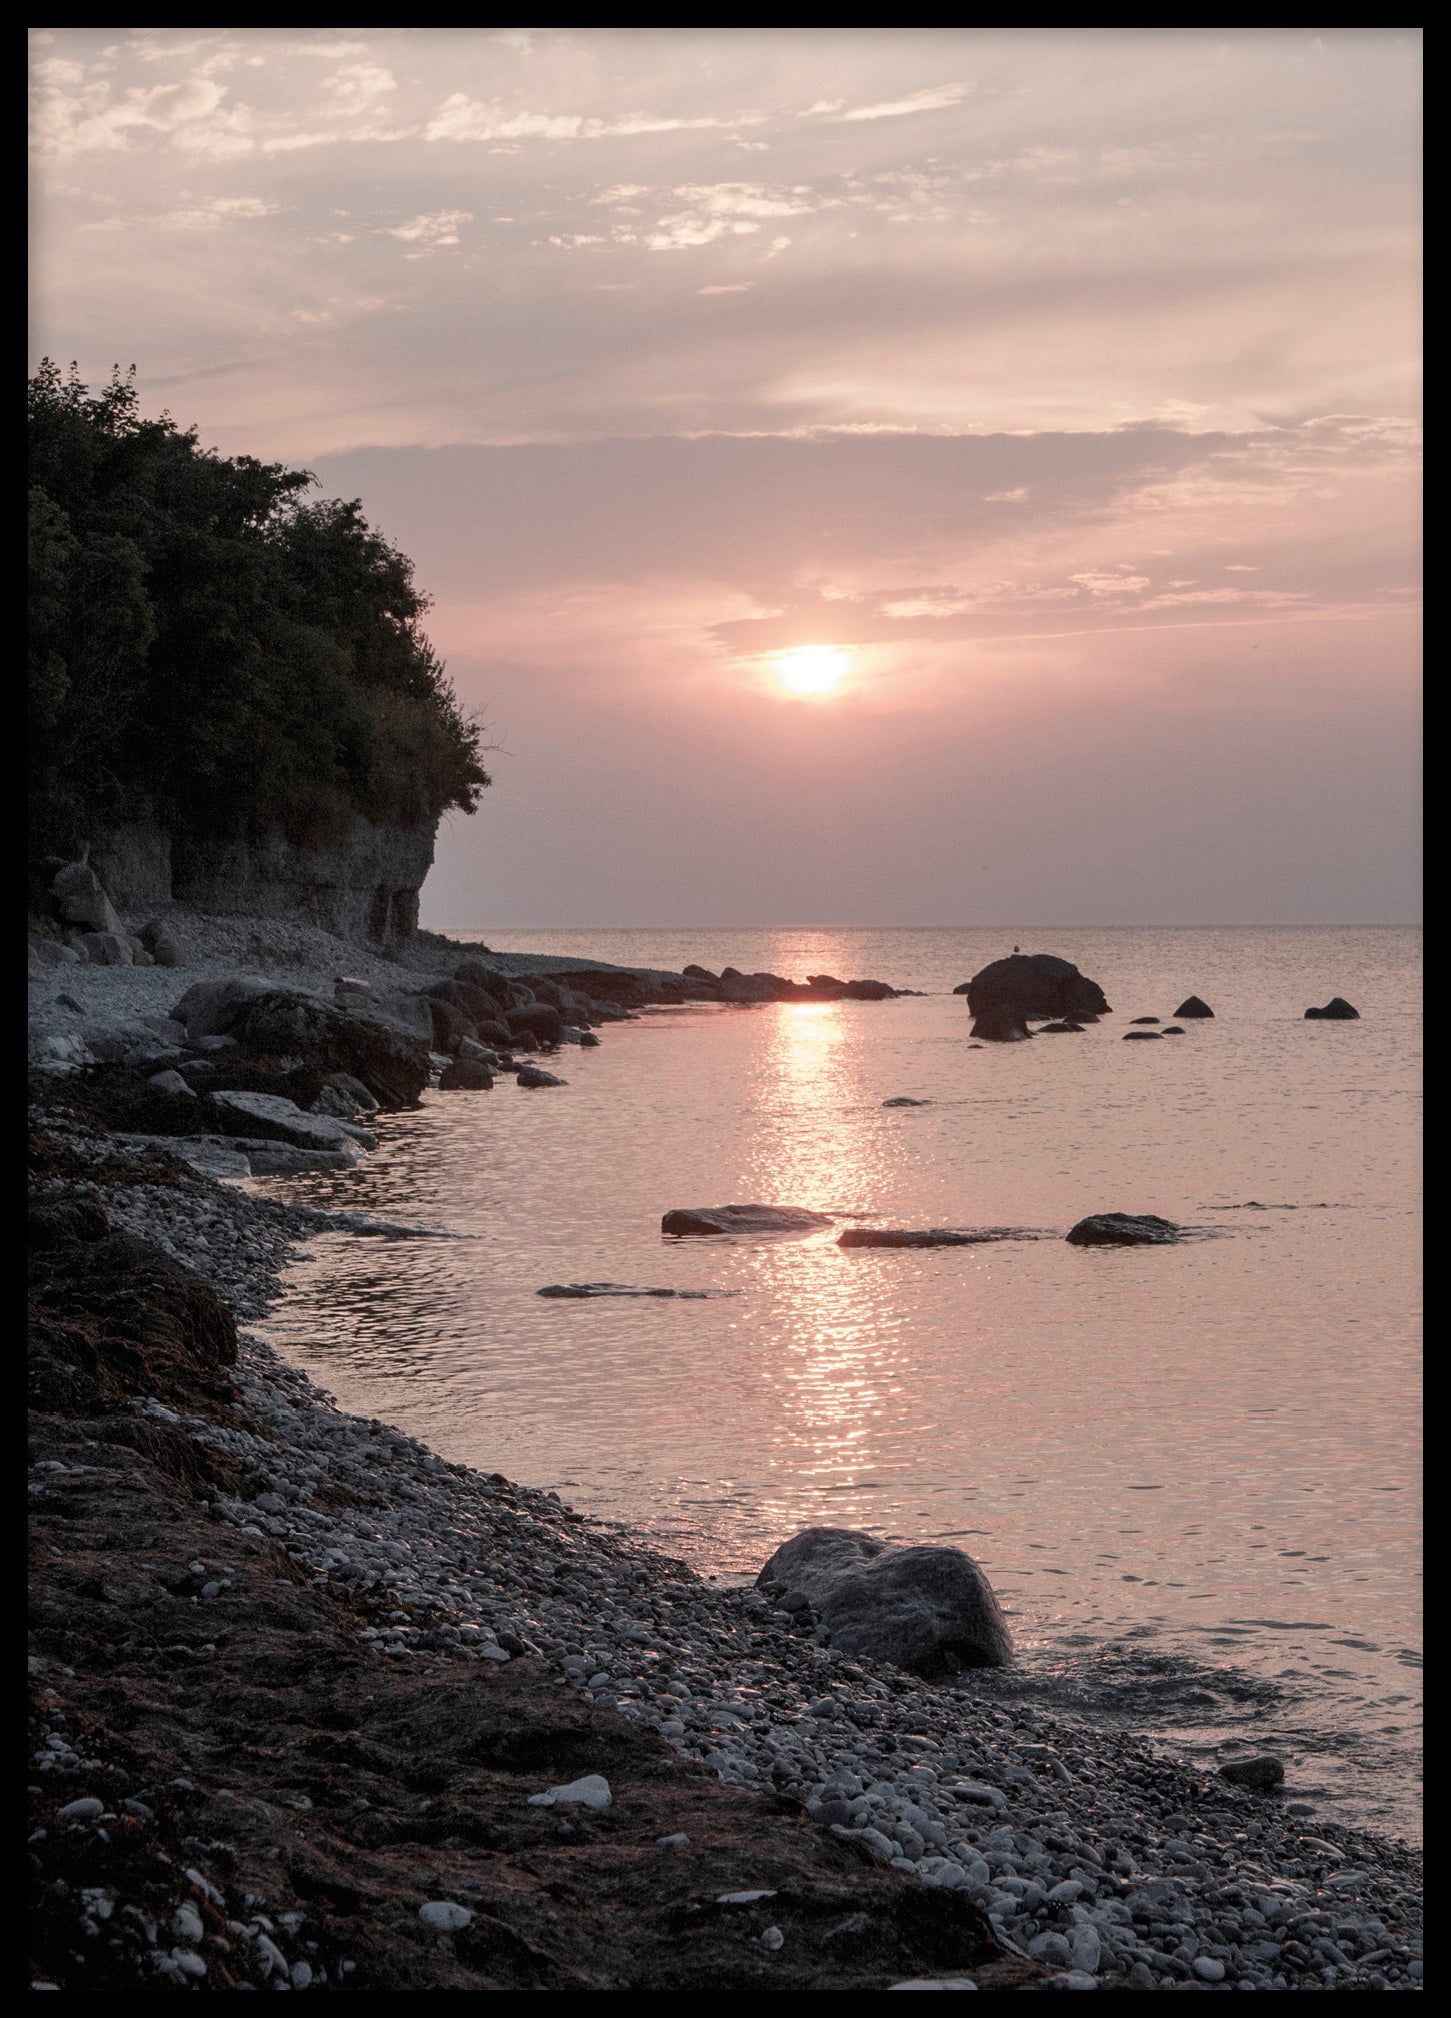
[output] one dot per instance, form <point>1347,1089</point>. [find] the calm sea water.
<point>1191,1473</point>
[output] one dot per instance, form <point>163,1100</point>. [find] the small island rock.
<point>1192,1006</point>
<point>1336,1010</point>
<point>1006,993</point>
<point>1123,1229</point>
<point>710,1219</point>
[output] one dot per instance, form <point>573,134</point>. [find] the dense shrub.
<point>214,650</point>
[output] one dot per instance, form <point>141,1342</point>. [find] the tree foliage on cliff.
<point>213,650</point>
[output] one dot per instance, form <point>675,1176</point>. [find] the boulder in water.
<point>1006,993</point>
<point>716,1219</point>
<point>904,1100</point>
<point>1129,1035</point>
<point>1336,1010</point>
<point>540,1021</point>
<point>1058,1029</point>
<point>1123,1229</point>
<point>465,1075</point>
<point>927,1609</point>
<point>1261,1774</point>
<point>1000,1025</point>
<point>1144,1019</point>
<point>1193,1007</point>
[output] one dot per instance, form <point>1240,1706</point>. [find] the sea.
<point>1190,1472</point>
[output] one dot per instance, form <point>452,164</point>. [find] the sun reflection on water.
<point>835,1362</point>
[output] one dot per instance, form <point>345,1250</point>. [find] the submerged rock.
<point>902,1100</point>
<point>707,1219</point>
<point>1000,1026</point>
<point>1261,1774</point>
<point>1336,1010</point>
<point>927,1609</point>
<point>1144,1019</point>
<point>584,1289</point>
<point>283,1159</point>
<point>1058,1029</point>
<point>534,1075</point>
<point>1006,993</point>
<point>929,1236</point>
<point>1123,1229</point>
<point>1192,1006</point>
<point>1141,1035</point>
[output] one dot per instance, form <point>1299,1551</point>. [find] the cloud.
<point>212,216</point>
<point>462,118</point>
<point>359,86</point>
<point>441,227</point>
<point>695,214</point>
<point>84,121</point>
<point>940,98</point>
<point>1102,584</point>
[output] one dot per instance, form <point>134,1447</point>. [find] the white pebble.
<point>593,1791</point>
<point>773,1939</point>
<point>186,1924</point>
<point>444,1916</point>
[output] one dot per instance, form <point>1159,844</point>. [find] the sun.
<point>812,669</point>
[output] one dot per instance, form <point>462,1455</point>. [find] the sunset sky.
<point>1055,392</point>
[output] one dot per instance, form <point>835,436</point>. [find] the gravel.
<point>1094,1851</point>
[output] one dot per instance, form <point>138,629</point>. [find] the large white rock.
<point>80,900</point>
<point>303,1131</point>
<point>593,1791</point>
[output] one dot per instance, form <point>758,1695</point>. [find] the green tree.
<point>212,649</point>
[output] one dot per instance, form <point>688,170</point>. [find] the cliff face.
<point>364,887</point>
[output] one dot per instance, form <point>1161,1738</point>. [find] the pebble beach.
<point>1097,1857</point>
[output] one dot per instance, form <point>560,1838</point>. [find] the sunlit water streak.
<point>1191,1472</point>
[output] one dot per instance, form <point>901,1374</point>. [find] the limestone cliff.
<point>363,887</point>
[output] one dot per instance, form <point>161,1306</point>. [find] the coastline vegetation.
<point>214,650</point>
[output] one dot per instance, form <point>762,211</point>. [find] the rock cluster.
<point>1005,996</point>
<point>1123,1229</point>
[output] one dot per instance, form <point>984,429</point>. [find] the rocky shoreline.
<point>296,1682</point>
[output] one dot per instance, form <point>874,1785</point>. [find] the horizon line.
<point>1331,925</point>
